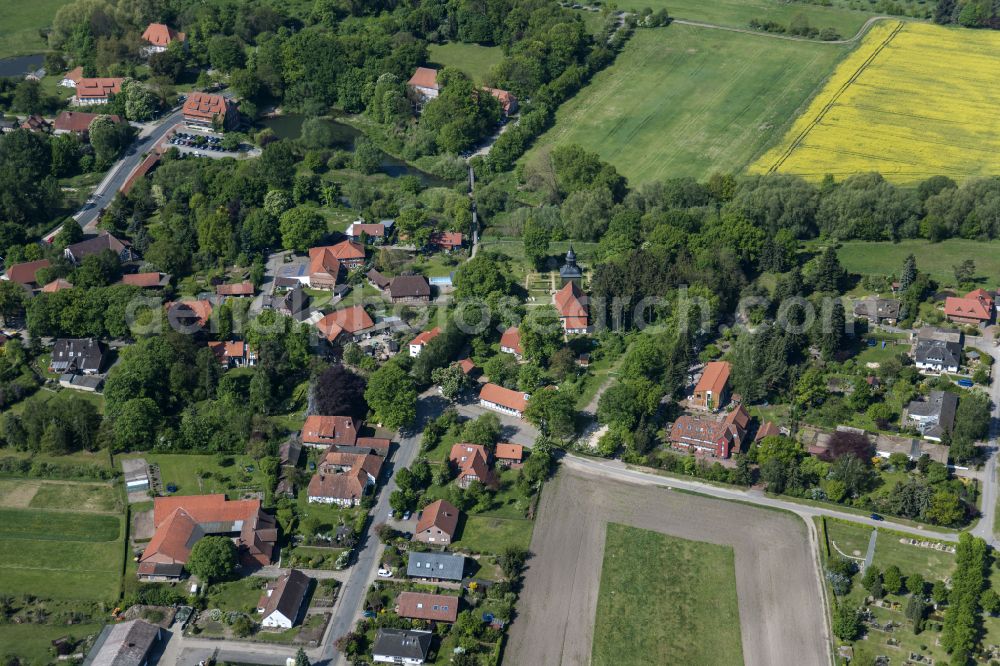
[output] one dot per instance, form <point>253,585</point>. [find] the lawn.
<point>489,534</point>
<point>737,13</point>
<point>688,101</point>
<point>238,595</point>
<point>98,497</point>
<point>930,563</point>
<point>195,474</point>
<point>60,554</point>
<point>19,29</point>
<point>33,642</point>
<point>473,59</point>
<point>910,103</point>
<point>666,600</point>
<point>934,259</point>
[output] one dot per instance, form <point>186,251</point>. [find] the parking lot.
<point>199,144</point>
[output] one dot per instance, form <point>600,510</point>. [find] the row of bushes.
<point>38,469</point>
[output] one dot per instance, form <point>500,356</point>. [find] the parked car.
<point>385,573</point>
<point>875,516</point>
<point>406,515</point>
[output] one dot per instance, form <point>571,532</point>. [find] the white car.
<point>385,573</point>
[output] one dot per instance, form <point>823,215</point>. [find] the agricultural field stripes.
<point>688,101</point>
<point>912,101</point>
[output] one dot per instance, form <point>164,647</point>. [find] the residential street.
<point>988,505</point>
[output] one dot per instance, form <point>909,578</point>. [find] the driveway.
<point>782,617</point>
<point>515,430</point>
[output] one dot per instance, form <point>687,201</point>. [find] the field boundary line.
<point>836,96</point>
<point>789,38</point>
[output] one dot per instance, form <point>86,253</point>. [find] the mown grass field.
<point>473,59</point>
<point>21,23</point>
<point>852,539</point>
<point>738,13</point>
<point>912,101</point>
<point>205,474</point>
<point>60,554</point>
<point>935,259</point>
<point>688,101</point>
<point>665,600</point>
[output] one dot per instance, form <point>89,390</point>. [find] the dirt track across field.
<point>781,609</point>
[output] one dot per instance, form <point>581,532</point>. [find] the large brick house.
<point>344,478</point>
<point>705,435</point>
<point>77,252</point>
<point>427,607</point>
<point>208,111</point>
<point>329,430</point>
<point>180,521</point>
<point>712,390</point>
<point>96,90</point>
<point>345,325</point>
<point>159,36</point>
<point>409,289</point>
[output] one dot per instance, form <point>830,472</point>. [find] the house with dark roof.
<point>436,566</point>
<point>377,280</point>
<point>83,356</point>
<point>503,400</point>
<point>427,607</point>
<point>35,123</point>
<point>569,271</point>
<point>437,523</point>
<point>281,604</point>
<point>409,289</point>
<point>26,273</point>
<point>78,122</point>
<point>180,521</point>
<point>938,350</point>
<point>878,310</point>
<point>933,416</point>
<point>401,646</point>
<point>77,252</point>
<point>124,644</point>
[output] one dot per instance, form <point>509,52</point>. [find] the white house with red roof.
<point>417,344</point>
<point>159,36</point>
<point>503,400</point>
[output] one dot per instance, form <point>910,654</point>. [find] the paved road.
<point>615,468</point>
<point>871,549</point>
<point>988,503</point>
<point>119,173</point>
<point>349,604</point>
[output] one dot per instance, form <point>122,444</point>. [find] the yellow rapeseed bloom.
<point>913,100</point>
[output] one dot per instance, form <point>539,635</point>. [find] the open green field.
<point>491,534</point>
<point>852,539</point>
<point>935,259</point>
<point>665,600</point>
<point>473,59</point>
<point>21,23</point>
<point>60,554</point>
<point>688,101</point>
<point>738,13</point>
<point>33,642</point>
<point>206,474</point>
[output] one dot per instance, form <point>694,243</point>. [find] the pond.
<point>20,65</point>
<point>289,126</point>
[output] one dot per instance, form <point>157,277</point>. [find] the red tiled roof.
<point>143,279</point>
<point>714,378</point>
<point>467,365</point>
<point>159,34</point>
<point>379,444</point>
<point>24,273</point>
<point>74,74</point>
<point>472,460</point>
<point>77,121</point>
<point>228,349</point>
<point>244,288</point>
<point>440,514</point>
<point>57,285</point>
<point>506,98</point>
<point>323,262</point>
<point>199,308</point>
<point>205,106</point>
<point>98,88</point>
<point>352,320</point>
<point>504,397</point>
<point>511,339</point>
<point>331,481</point>
<point>376,230</point>
<point>329,430</point>
<point>977,304</point>
<point>767,430</point>
<point>347,250</point>
<point>508,451</point>
<point>424,77</point>
<point>426,336</point>
<point>446,239</point>
<point>424,606</point>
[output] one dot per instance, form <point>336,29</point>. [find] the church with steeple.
<point>570,272</point>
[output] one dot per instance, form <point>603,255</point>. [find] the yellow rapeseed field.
<point>912,101</point>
